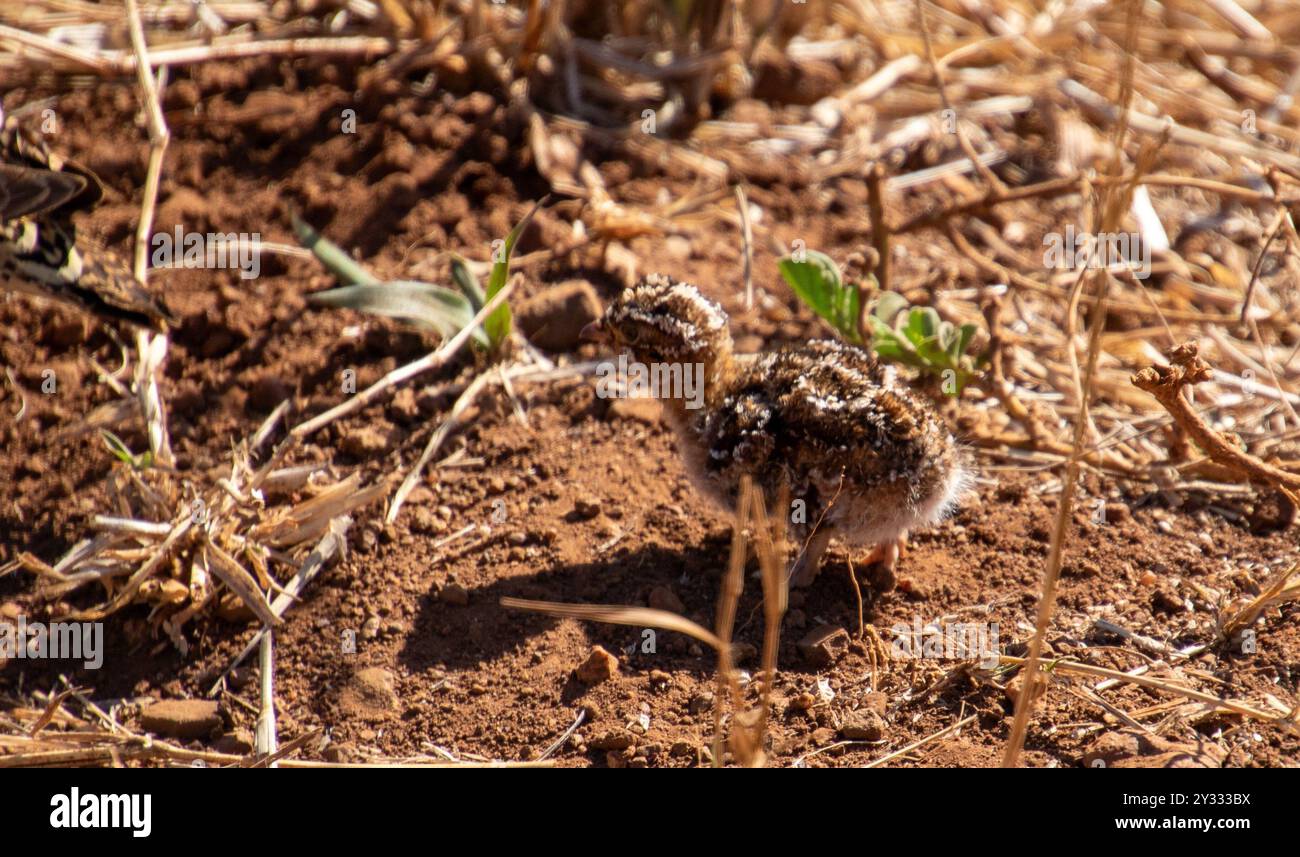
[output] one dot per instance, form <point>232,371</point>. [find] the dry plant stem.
<point>775,597</point>
<point>108,63</point>
<point>397,376</point>
<point>1116,202</point>
<point>1037,437</point>
<point>1052,187</point>
<point>265,740</point>
<point>643,617</point>
<point>1015,278</point>
<point>239,581</point>
<point>1071,184</point>
<point>128,590</point>
<point>273,760</point>
<point>1272,372</point>
<point>333,542</point>
<point>443,431</point>
<point>1274,592</point>
<point>151,404</point>
<point>1166,383</point>
<point>159,136</point>
<point>1052,573</point>
<point>564,736</point>
<point>116,749</point>
<point>1180,134</point>
<point>880,232</point>
<point>990,179</point>
<point>746,233</point>
<point>725,623</point>
<point>1274,229</point>
<point>1218,702</point>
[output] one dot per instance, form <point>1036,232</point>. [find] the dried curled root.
<point>1166,383</point>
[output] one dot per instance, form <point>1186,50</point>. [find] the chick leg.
<point>885,557</point>
<point>810,559</point>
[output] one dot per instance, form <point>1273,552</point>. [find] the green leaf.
<point>498,323</point>
<point>123,453</point>
<point>964,336</point>
<point>465,280</point>
<point>922,325</point>
<point>816,281</point>
<point>332,256</point>
<point>423,304</point>
<point>881,331</point>
<point>888,306</point>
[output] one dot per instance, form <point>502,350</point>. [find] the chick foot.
<point>883,559</point>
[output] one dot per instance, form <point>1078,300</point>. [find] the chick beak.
<point>594,332</point>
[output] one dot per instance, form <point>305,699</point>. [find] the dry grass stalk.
<point>266,743</point>
<point>733,583</point>
<point>1116,202</point>
<point>641,617</point>
<point>880,232</point>
<point>747,235</point>
<point>333,543</point>
<point>152,347</point>
<point>1232,705</point>
<point>449,425</point>
<point>1279,589</point>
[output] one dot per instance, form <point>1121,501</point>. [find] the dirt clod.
<point>863,725</point>
<point>586,507</point>
<point>237,743</point>
<point>455,595</point>
<point>599,666</point>
<point>371,694</point>
<point>824,645</point>
<point>181,718</point>
<point>554,319</point>
<point>663,598</point>
<point>1017,682</point>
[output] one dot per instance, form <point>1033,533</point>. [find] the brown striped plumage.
<point>40,252</point>
<point>862,458</point>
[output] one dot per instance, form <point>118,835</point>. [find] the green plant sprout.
<point>422,304</point>
<point>123,453</point>
<point>499,322</point>
<point>910,335</point>
<point>816,279</point>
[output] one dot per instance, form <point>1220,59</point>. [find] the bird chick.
<point>39,250</point>
<point>862,459</point>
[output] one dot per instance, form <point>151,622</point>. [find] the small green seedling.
<point>499,322</point>
<point>123,453</point>
<point>816,279</point>
<point>917,337</point>
<point>913,336</point>
<point>422,304</point>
